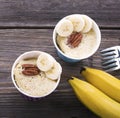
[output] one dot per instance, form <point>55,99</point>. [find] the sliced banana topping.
<point>74,23</point>
<point>54,72</point>
<point>88,24</point>
<point>64,28</point>
<point>49,65</point>
<point>45,62</point>
<point>77,21</point>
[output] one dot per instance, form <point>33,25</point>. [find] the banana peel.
<point>94,99</point>
<point>102,80</point>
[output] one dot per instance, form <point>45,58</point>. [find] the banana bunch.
<point>101,94</point>
<point>107,83</point>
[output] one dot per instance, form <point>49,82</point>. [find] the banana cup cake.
<point>76,37</point>
<point>36,74</point>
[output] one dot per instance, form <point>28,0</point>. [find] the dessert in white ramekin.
<point>33,81</point>
<point>76,37</point>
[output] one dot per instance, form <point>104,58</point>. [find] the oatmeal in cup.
<point>36,74</point>
<point>76,37</point>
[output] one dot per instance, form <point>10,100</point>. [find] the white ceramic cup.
<point>67,58</point>
<point>27,55</point>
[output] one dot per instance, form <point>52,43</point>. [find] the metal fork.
<point>111,58</point>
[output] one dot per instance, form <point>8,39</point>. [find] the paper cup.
<point>27,55</point>
<point>70,59</point>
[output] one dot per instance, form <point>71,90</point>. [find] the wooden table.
<point>27,25</point>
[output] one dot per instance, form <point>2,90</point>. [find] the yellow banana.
<point>107,83</point>
<point>95,100</point>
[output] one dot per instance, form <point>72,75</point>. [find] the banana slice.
<point>45,62</point>
<point>88,24</point>
<point>78,22</point>
<point>64,28</point>
<point>54,72</point>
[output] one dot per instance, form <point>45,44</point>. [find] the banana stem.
<point>82,69</point>
<point>70,79</point>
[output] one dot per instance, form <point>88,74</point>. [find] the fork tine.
<point>109,61</point>
<point>112,69</point>
<point>110,66</point>
<point>108,53</point>
<point>108,49</point>
<point>109,57</point>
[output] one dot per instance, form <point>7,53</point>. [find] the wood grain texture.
<point>27,25</point>
<point>62,103</point>
<point>45,13</point>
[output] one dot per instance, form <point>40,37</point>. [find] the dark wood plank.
<point>62,103</point>
<point>45,13</point>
